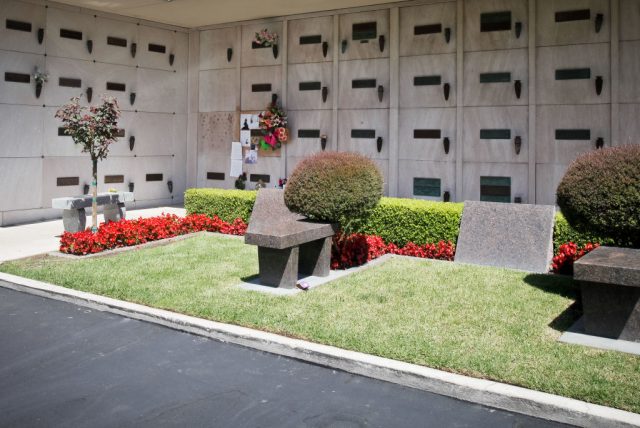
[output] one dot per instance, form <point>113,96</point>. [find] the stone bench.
<point>74,217</point>
<point>288,243</point>
<point>610,287</point>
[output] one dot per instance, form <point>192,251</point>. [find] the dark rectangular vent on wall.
<point>495,134</point>
<point>363,133</point>
<point>18,25</point>
<point>113,179</point>
<point>573,15</point>
<point>363,83</point>
<point>261,87</point>
<point>17,77</point>
<point>215,175</point>
<point>67,181</point>
<point>364,31</point>
<point>419,30</point>
<point>69,82</point>
<point>70,34</point>
<point>265,178</point>
<point>257,133</point>
<point>573,134</point>
<point>426,187</point>
<point>495,21</point>
<point>117,41</point>
<point>427,80</point>
<point>427,133</point>
<point>62,132</point>
<point>573,73</point>
<point>495,189</point>
<point>120,133</point>
<point>310,40</point>
<point>154,177</point>
<point>120,87</point>
<point>157,48</point>
<point>309,86</point>
<point>308,133</point>
<point>495,77</point>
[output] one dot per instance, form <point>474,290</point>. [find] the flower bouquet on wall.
<point>273,123</point>
<point>265,39</point>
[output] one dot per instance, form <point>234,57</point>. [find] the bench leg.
<point>114,212</point>
<point>74,220</point>
<point>278,268</point>
<point>611,310</point>
<point>315,257</point>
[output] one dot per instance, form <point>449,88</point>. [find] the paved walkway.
<point>66,365</point>
<point>36,238</point>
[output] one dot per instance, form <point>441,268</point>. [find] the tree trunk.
<point>94,203</point>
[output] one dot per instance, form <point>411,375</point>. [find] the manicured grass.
<point>484,322</point>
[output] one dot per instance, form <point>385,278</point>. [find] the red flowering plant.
<point>265,38</point>
<point>94,128</point>
<point>273,123</point>
<point>568,253</point>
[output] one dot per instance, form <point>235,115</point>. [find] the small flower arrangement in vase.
<point>266,39</point>
<point>273,123</point>
<point>39,77</point>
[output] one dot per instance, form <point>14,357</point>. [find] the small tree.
<point>94,128</point>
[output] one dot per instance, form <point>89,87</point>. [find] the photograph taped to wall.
<point>251,157</point>
<point>245,138</point>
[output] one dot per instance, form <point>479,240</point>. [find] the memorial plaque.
<point>363,83</point>
<point>17,77</point>
<point>426,187</point>
<point>257,177</point>
<point>111,179</point>
<point>18,25</point>
<point>120,87</point>
<point>419,30</point>
<point>573,15</point>
<point>495,77</point>
<point>516,236</point>
<point>495,21</point>
<point>309,86</point>
<point>573,134</point>
<point>310,40</point>
<point>308,133</point>
<point>154,177</point>
<point>69,82</point>
<point>117,41</point>
<point>67,181</point>
<point>364,31</point>
<point>363,133</point>
<point>215,175</point>
<point>70,34</point>
<point>157,48</point>
<point>261,87</point>
<point>427,133</point>
<point>427,80</point>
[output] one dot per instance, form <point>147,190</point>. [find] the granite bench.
<point>74,217</point>
<point>610,287</point>
<point>288,243</point>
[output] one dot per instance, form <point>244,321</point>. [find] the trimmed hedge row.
<point>395,220</point>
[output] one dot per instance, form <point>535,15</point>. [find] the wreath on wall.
<point>273,123</point>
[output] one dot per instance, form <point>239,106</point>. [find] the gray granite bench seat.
<point>288,243</point>
<point>74,217</point>
<point>610,287</point>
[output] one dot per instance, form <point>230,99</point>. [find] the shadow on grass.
<point>563,286</point>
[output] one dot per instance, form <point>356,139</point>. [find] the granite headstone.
<point>516,236</point>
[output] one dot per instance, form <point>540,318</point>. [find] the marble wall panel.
<point>64,68</point>
<point>19,40</point>
<point>116,165</point>
<point>21,183</point>
<point>363,48</point>
<point>306,144</point>
<point>630,72</point>
<point>629,20</point>
<point>264,55</point>
<point>352,72</point>
<point>548,177</point>
<point>629,124</point>
<point>251,98</point>
<point>56,45</point>
<point>149,56</point>
<point>18,92</point>
<point>55,167</point>
<point>270,166</point>
<point>302,97</point>
<point>428,39</point>
<point>370,120</point>
<point>410,169</point>
<point>216,132</point>
<point>21,131</point>
<point>481,69</point>
<point>119,74</point>
<point>214,45</point>
<point>478,148</point>
<point>416,93</point>
<point>596,119</point>
<point>54,144</point>
<point>551,32</point>
<point>594,57</point>
<point>472,171</point>
<point>219,90</point>
<point>160,91</point>
<point>306,39</point>
<point>149,190</point>
<point>477,40</point>
<point>153,134</point>
<point>442,121</point>
<point>126,32</point>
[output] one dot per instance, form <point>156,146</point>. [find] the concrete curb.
<point>481,391</point>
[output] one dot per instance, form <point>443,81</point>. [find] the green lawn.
<point>484,322</point>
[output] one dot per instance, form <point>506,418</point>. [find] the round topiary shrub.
<point>333,186</point>
<point>600,194</point>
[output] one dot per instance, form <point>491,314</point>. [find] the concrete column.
<point>459,97</point>
<point>532,103</point>
<point>394,93</point>
<point>193,108</point>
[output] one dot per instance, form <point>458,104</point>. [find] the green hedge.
<point>395,220</point>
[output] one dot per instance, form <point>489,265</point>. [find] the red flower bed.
<point>567,254</point>
<point>358,249</point>
<point>126,233</point>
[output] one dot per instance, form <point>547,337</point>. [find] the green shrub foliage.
<point>600,194</point>
<point>332,186</point>
<point>226,204</point>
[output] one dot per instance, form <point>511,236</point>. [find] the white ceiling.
<point>199,13</point>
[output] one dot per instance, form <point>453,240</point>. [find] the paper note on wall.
<point>236,168</point>
<point>236,150</point>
